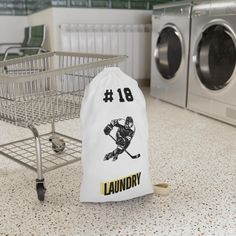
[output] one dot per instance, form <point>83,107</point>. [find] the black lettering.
<point>128,94</point>
<point>108,96</point>
<point>122,185</point>
<point>138,175</point>
<point>128,182</point>
<point>117,186</point>
<point>111,189</point>
<point>120,95</point>
<point>134,180</point>
<point>105,189</point>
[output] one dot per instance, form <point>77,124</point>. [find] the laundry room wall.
<point>12,28</point>
<point>97,16</point>
<point>55,17</point>
<point>132,31</point>
<point>44,17</point>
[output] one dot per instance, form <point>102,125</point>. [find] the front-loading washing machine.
<point>212,70</point>
<point>171,26</point>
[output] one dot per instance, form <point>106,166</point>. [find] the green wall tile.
<point>25,7</point>
<point>79,3</point>
<point>100,3</point>
<point>136,4</point>
<point>120,4</point>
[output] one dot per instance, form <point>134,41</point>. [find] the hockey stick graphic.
<point>133,157</point>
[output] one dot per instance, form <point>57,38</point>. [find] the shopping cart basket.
<point>43,89</point>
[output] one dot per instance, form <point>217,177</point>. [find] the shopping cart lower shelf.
<point>43,89</point>
<point>23,152</point>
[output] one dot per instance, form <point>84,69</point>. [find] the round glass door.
<point>216,57</point>
<point>169,53</point>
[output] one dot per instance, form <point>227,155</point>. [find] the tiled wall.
<point>25,7</point>
<point>12,7</point>
<point>121,4</point>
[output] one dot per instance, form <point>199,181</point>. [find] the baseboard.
<point>143,82</point>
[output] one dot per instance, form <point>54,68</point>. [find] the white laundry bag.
<point>114,139</point>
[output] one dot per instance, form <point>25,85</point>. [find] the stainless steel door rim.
<point>169,51</point>
<point>215,55</point>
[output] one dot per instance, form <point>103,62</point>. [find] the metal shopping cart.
<point>42,89</point>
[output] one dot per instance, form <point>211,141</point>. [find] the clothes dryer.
<point>212,77</point>
<point>170,51</point>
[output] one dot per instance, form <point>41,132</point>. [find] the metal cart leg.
<point>58,144</point>
<point>53,127</point>
<point>40,180</point>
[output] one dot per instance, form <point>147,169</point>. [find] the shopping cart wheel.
<point>58,144</point>
<point>40,191</point>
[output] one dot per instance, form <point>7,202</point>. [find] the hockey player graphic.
<point>124,134</point>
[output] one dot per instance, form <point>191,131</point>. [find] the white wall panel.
<point>12,29</point>
<point>129,39</point>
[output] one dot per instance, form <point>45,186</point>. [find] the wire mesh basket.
<point>39,89</point>
<point>43,89</point>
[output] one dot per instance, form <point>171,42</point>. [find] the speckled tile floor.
<point>195,154</point>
